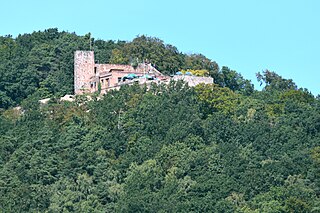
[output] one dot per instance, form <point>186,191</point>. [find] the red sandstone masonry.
<point>88,75</point>
<point>83,71</point>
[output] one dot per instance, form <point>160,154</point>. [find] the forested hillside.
<point>40,64</point>
<point>212,148</point>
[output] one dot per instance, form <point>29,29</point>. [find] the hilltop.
<point>41,64</point>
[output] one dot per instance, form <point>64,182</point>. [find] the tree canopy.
<point>223,147</point>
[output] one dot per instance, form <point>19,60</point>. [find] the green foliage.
<point>167,148</point>
<point>233,80</point>
<point>273,81</point>
<point>218,98</point>
<point>196,72</point>
<point>200,62</point>
<point>164,57</point>
<point>118,57</point>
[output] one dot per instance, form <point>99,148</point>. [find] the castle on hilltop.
<point>90,77</point>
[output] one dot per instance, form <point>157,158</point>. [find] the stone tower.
<point>84,68</point>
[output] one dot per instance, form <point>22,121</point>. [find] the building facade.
<point>90,77</point>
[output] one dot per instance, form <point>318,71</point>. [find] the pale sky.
<point>246,35</point>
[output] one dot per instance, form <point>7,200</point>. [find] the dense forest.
<point>224,147</point>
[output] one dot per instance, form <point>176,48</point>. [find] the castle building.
<point>90,77</point>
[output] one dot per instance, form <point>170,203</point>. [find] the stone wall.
<point>83,71</point>
<point>193,80</point>
<point>88,75</point>
<point>101,68</point>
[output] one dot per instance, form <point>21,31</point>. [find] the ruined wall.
<point>107,67</point>
<point>88,75</point>
<point>83,70</point>
<point>141,68</point>
<point>148,69</point>
<point>109,74</point>
<point>193,80</point>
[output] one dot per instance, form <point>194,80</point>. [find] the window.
<point>119,79</point>
<point>95,70</point>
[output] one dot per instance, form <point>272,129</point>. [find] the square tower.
<point>84,68</point>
